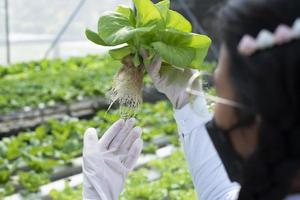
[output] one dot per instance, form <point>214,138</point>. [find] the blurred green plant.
<point>68,193</point>
<point>46,83</point>
<point>56,143</point>
<point>173,182</point>
<point>41,84</point>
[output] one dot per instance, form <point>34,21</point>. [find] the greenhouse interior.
<point>149,100</point>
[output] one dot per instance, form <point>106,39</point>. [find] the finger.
<point>133,154</point>
<point>154,68</point>
<point>144,53</point>
<point>90,140</point>
<point>133,135</point>
<point>111,133</point>
<point>121,135</point>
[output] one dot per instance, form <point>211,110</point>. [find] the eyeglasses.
<point>202,84</point>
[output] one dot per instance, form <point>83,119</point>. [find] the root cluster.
<point>127,87</point>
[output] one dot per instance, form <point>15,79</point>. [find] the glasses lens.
<point>201,84</point>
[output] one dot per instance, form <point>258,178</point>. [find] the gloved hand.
<point>107,162</point>
<point>171,81</point>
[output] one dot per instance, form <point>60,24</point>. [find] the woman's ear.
<point>225,115</point>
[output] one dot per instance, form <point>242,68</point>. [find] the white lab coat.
<point>207,171</point>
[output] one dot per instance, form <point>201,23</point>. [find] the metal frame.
<point>7,31</point>
<point>181,3</point>
<point>64,28</point>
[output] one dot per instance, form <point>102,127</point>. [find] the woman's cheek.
<point>224,116</point>
<point>244,141</point>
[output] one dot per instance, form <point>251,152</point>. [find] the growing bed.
<point>37,163</point>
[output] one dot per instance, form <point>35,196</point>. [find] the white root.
<point>127,88</point>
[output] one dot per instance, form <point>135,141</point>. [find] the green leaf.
<point>128,12</point>
<point>202,44</point>
<point>4,175</point>
<point>163,7</point>
<point>185,49</point>
<point>13,149</point>
<point>175,55</point>
<point>174,37</point>
<point>164,31</point>
<point>120,53</point>
<point>176,21</point>
<point>32,180</point>
<point>199,57</point>
<point>136,60</point>
<point>199,41</point>
<point>94,37</point>
<point>183,39</point>
<point>147,13</point>
<point>115,28</point>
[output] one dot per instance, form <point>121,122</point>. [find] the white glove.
<point>107,162</point>
<point>171,81</point>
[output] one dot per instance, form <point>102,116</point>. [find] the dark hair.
<point>268,83</point>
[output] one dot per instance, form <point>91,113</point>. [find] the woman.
<point>249,149</point>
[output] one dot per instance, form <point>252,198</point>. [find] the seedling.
<point>153,28</point>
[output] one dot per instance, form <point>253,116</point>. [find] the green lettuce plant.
<point>154,28</point>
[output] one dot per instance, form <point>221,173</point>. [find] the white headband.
<point>265,39</point>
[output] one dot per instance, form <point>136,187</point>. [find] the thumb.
<point>154,68</point>
<point>143,53</point>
